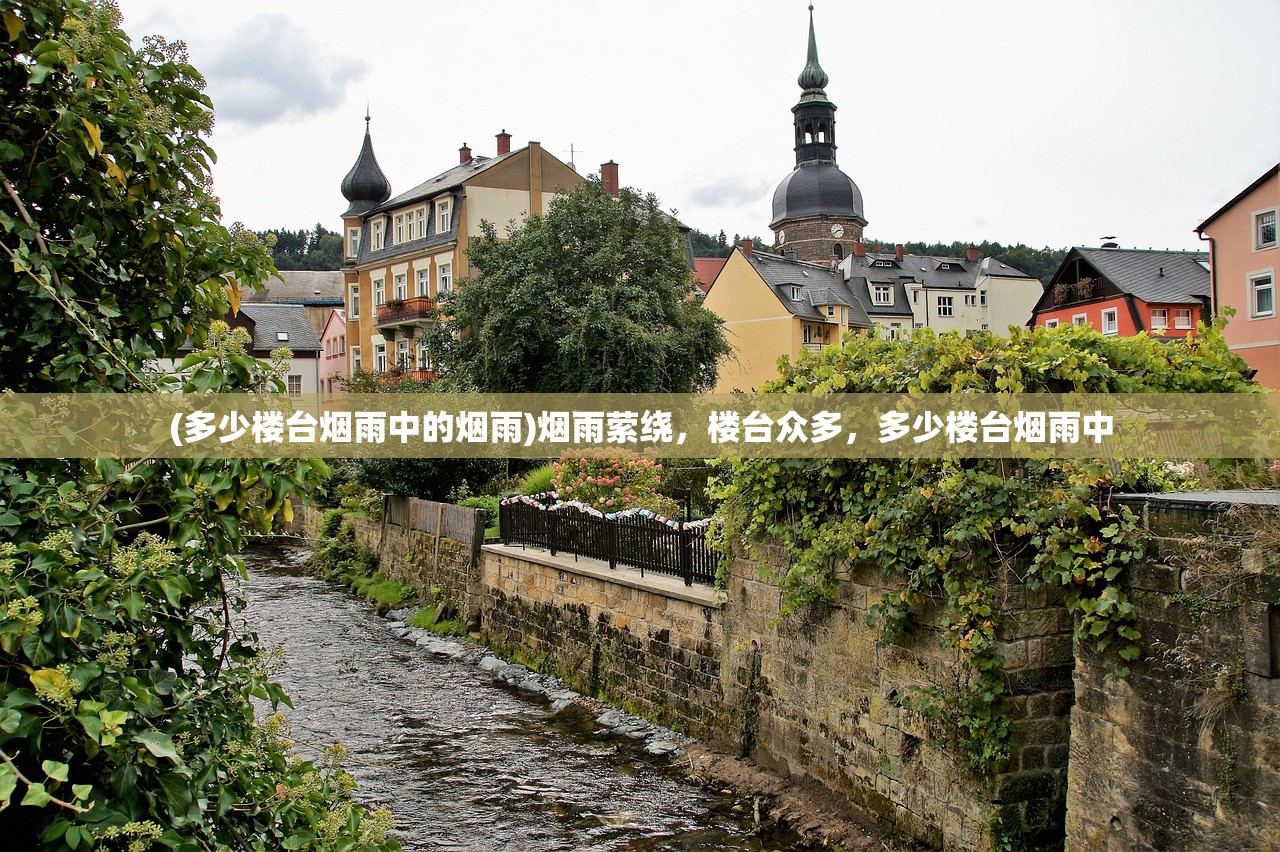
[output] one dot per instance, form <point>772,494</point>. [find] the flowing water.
<point>462,761</point>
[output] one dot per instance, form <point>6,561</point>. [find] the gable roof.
<point>816,283</point>
<point>705,269</point>
<point>1267,175</point>
<point>301,287</point>
<point>449,179</point>
<point>1175,277</point>
<point>925,269</point>
<point>271,320</point>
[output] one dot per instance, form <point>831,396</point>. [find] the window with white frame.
<point>355,359</point>
<point>424,355</point>
<point>1182,318</point>
<point>795,294</point>
<point>1262,295</point>
<point>984,326</point>
<point>1110,323</point>
<point>379,291</point>
<point>402,287</point>
<point>1080,319</point>
<point>424,282</point>
<point>295,385</point>
<point>380,358</point>
<point>882,294</point>
<point>342,344</point>
<point>399,229</point>
<point>808,334</point>
<point>982,298</point>
<point>444,280</point>
<point>402,355</point>
<point>444,216</point>
<point>919,325</point>
<point>1051,323</point>
<point>379,236</point>
<point>1159,318</point>
<point>831,310</point>
<point>1264,229</point>
<point>895,329</point>
<point>355,301</point>
<point>353,242</point>
<point>422,225</point>
<point>971,300</point>
<point>946,306</point>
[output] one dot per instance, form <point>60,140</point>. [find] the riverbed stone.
<point>663,748</point>
<point>491,663</point>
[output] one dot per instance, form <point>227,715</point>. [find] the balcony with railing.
<point>418,310</point>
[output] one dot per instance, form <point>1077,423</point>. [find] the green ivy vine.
<point>948,530</point>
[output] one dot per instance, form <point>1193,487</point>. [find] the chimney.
<point>789,254</point>
<point>835,261</point>
<point>609,177</point>
<point>464,154</point>
<point>747,246</point>
<point>504,142</point>
<point>897,252</point>
<point>971,255</point>
<point>859,249</point>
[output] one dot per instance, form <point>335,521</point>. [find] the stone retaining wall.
<point>649,644</point>
<point>828,704</point>
<point>1185,752</point>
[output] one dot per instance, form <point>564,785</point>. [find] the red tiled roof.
<point>706,269</point>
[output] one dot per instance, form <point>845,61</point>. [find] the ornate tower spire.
<point>813,79</point>
<point>365,186</point>
<point>815,116</point>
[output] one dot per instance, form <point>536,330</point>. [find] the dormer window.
<point>831,310</point>
<point>884,264</point>
<point>353,242</point>
<point>379,234</point>
<point>444,216</point>
<point>795,294</point>
<point>282,337</point>
<point>948,266</point>
<point>882,294</point>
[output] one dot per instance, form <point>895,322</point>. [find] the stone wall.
<point>1185,752</point>
<point>826,702</point>
<point>649,644</point>
<point>447,571</point>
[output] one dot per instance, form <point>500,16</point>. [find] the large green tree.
<point>594,296</point>
<point>126,679</point>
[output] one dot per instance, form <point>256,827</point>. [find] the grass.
<point>382,591</point>
<point>448,627</point>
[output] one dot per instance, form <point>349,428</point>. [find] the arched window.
<point>838,251</point>
<point>822,133</point>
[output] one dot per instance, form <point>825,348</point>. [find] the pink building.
<point>1245,254</point>
<point>333,352</point>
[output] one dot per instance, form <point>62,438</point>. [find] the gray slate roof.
<point>300,287</point>
<point>900,307</point>
<point>1160,277</point>
<point>819,286</point>
<point>445,180</point>
<point>963,274</point>
<point>269,320</point>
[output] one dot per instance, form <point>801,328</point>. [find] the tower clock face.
<point>782,237</point>
<point>837,231</point>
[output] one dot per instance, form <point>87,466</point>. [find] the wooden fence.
<point>442,520</point>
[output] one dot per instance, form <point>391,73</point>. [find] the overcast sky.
<point>1052,123</point>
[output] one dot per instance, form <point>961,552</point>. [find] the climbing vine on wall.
<point>946,529</point>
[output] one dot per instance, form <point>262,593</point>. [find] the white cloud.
<point>268,70</point>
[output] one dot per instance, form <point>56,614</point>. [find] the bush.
<point>489,504</point>
<point>538,480</point>
<point>612,481</point>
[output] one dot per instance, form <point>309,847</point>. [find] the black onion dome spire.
<point>365,186</point>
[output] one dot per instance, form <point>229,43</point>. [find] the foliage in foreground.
<point>946,530</point>
<point>126,679</point>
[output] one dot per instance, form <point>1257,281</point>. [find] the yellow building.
<point>401,253</point>
<point>774,305</point>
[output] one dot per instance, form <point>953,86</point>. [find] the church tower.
<point>817,209</point>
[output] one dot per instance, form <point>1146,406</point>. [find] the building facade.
<point>817,209</point>
<point>774,305</point>
<point>333,352</point>
<point>401,253</point>
<point>1244,256</point>
<point>1127,291</point>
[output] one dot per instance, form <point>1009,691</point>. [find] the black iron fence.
<point>634,540</point>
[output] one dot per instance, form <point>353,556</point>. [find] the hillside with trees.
<point>1038,263</point>
<point>317,248</point>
